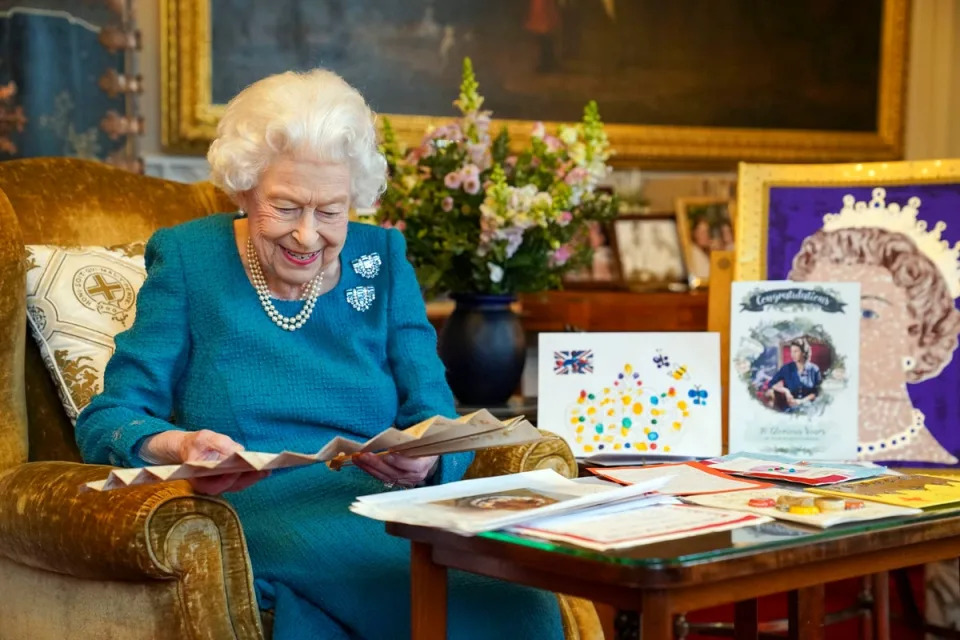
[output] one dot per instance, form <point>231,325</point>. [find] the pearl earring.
<point>909,363</point>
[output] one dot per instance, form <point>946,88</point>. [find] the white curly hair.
<point>314,113</point>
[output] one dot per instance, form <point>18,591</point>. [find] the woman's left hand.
<point>394,469</point>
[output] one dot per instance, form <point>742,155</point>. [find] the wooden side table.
<point>663,580</point>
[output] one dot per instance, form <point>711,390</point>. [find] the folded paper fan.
<point>434,436</point>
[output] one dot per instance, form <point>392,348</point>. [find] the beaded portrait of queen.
<point>893,227</point>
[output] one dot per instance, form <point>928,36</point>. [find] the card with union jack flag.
<point>573,362</point>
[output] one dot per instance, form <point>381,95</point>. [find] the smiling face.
<point>298,216</point>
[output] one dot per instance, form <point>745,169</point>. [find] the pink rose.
<point>447,204</point>
<point>561,255</point>
<point>576,176</point>
<point>452,180</point>
<point>472,185</point>
<point>553,143</point>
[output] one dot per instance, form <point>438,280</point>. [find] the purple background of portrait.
<point>796,212</point>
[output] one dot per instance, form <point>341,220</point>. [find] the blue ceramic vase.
<point>483,346</point>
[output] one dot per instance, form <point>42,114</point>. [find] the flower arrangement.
<point>482,219</point>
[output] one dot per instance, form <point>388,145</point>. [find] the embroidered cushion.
<point>78,299</point>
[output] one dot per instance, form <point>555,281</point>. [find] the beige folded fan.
<point>434,436</point>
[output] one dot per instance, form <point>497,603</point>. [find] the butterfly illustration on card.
<point>698,394</point>
<point>661,360</point>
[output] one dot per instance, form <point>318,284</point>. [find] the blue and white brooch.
<point>367,266</point>
<point>361,298</point>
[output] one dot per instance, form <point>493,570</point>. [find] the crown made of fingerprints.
<point>903,220</point>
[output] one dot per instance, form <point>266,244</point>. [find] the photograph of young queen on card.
<point>797,382</point>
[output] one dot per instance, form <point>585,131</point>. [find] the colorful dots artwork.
<point>647,393</point>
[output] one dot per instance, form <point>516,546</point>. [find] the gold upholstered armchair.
<point>151,561</point>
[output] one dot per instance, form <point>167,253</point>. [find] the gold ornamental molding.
<point>190,117</point>
<point>756,180</point>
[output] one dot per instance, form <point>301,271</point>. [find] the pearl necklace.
<point>310,293</point>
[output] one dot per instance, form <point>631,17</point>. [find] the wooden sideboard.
<point>602,311</point>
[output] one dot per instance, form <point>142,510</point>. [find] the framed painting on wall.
<point>894,228</point>
<point>684,83</point>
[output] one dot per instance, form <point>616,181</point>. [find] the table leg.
<point>806,613</point>
<point>880,586</point>
<point>745,624</point>
<point>866,599</point>
<point>428,594</point>
<point>656,616</point>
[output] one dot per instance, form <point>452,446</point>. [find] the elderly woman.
<point>280,327</point>
<point>798,381</point>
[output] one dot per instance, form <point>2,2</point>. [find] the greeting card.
<point>794,367</point>
<point>918,491</point>
<point>631,394</point>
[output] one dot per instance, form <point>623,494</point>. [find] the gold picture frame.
<point>189,115</point>
<point>698,264</point>
<point>756,180</point>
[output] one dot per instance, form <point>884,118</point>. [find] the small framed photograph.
<point>648,251</point>
<point>603,272</point>
<point>705,224</point>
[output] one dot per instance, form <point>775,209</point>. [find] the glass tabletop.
<point>715,546</point>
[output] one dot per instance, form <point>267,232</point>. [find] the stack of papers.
<point>685,479</point>
<point>544,504</point>
<point>469,507</point>
<point>796,470</point>
<point>604,531</point>
<point>435,436</point>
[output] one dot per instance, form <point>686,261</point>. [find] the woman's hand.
<point>175,447</point>
<point>394,469</point>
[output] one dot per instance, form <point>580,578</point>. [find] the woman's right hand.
<point>175,447</point>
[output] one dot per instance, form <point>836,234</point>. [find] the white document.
<point>657,523</point>
<point>794,367</point>
<point>685,478</point>
<point>629,394</point>
<point>486,504</point>
<point>740,501</point>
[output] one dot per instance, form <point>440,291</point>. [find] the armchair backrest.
<point>67,201</point>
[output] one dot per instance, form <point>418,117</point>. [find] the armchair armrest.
<point>551,452</point>
<point>48,522</point>
<point>149,533</point>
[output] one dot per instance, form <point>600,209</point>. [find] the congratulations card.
<point>631,394</point>
<point>794,365</point>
